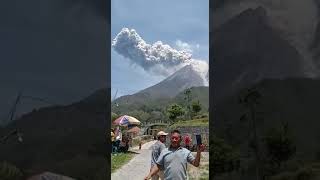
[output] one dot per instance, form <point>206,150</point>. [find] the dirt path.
<point>138,167</point>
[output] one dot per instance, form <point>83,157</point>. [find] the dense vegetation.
<point>275,133</point>
<point>149,109</point>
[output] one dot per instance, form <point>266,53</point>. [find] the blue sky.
<point>169,21</point>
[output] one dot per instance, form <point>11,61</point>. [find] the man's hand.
<point>201,148</point>
<point>154,170</point>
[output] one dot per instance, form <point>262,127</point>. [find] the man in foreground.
<point>156,150</point>
<point>174,159</point>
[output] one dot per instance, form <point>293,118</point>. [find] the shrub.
<point>9,172</point>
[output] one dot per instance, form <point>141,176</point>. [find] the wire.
<point>39,99</point>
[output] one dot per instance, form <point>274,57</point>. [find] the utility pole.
<point>14,108</point>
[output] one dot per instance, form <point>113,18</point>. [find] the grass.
<point>192,123</point>
<point>204,176</point>
<point>119,159</point>
<point>201,172</point>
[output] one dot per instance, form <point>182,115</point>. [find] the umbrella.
<point>134,130</point>
<point>126,120</point>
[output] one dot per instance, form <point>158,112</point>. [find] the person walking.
<point>157,148</point>
<point>173,160</point>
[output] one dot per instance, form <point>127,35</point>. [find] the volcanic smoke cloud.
<point>158,58</point>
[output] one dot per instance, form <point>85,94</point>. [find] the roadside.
<point>201,172</point>
<point>119,159</point>
<point>138,167</point>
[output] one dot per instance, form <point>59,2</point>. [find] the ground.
<point>138,167</point>
<point>201,172</point>
<point>119,159</point>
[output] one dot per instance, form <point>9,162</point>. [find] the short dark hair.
<point>176,131</point>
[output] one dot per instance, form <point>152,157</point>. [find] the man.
<point>156,150</point>
<point>174,159</point>
<point>117,143</point>
<point>124,146</point>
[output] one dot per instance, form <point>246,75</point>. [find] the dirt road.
<point>138,167</point>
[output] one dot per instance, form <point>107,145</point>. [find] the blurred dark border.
<point>57,51</point>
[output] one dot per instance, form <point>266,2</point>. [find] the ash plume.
<point>158,58</point>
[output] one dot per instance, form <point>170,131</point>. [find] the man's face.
<point>175,140</point>
<point>162,138</point>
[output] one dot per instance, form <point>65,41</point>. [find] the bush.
<point>223,158</point>
<point>9,172</point>
<point>284,176</point>
<point>304,174</point>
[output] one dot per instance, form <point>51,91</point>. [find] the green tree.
<point>175,111</point>
<point>114,116</point>
<point>223,158</point>
<point>280,147</point>
<point>196,107</point>
<point>140,115</point>
<point>144,116</point>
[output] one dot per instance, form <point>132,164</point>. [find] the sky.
<point>55,50</point>
<point>182,24</point>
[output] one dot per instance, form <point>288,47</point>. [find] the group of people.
<point>120,143</point>
<point>170,163</point>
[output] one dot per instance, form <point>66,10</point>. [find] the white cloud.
<point>184,46</point>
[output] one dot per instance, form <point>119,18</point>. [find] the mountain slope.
<point>247,50</point>
<point>200,94</point>
<point>162,92</point>
<point>150,105</point>
<point>185,78</point>
<point>294,100</point>
<point>68,140</point>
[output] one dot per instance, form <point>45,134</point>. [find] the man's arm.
<point>196,161</point>
<point>154,170</point>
